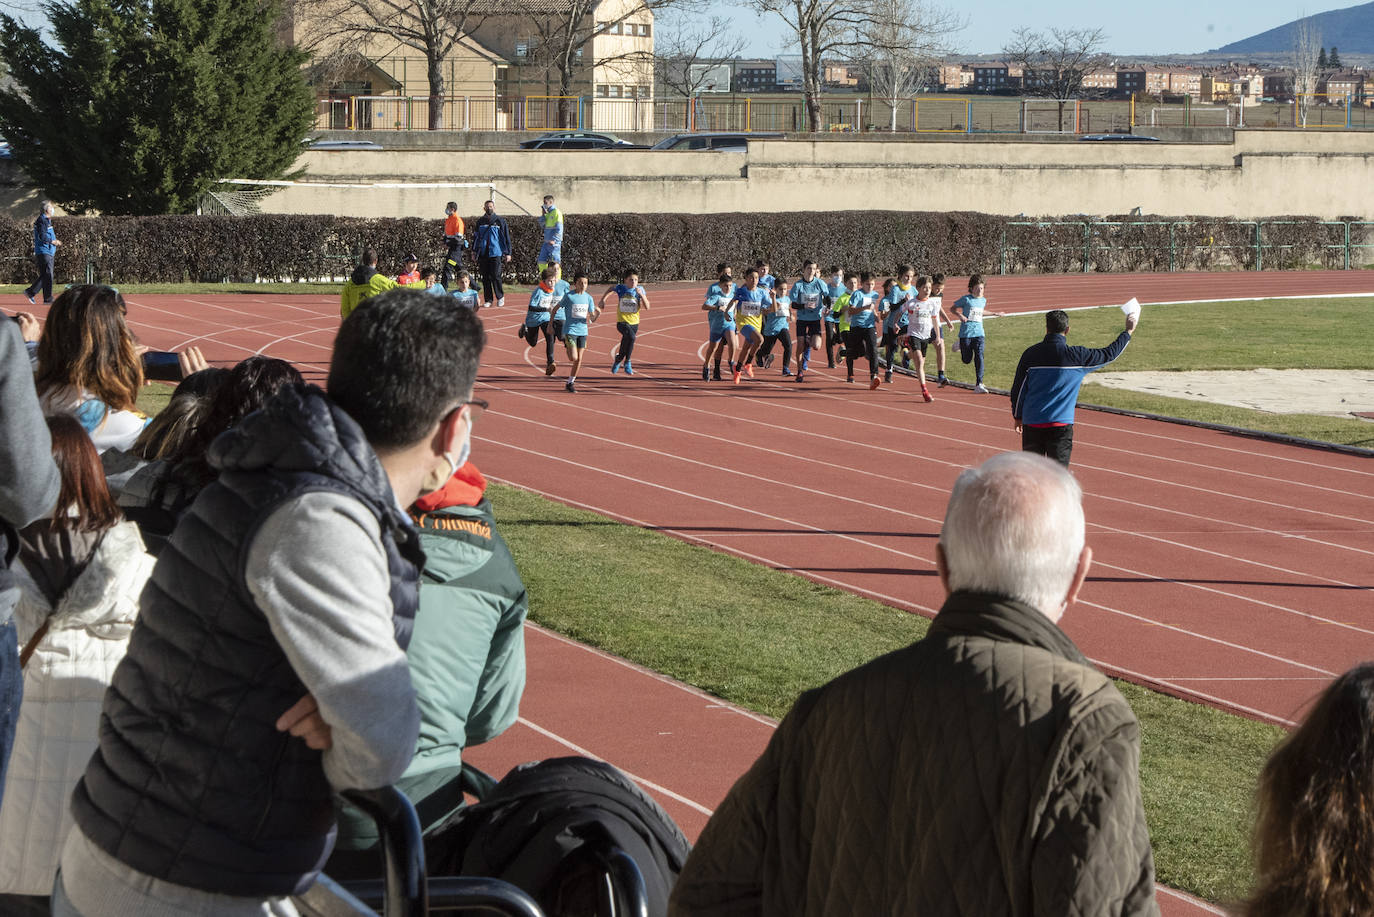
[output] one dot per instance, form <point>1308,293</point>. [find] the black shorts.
<point>806,329</point>
<point>920,344</point>
<point>577,340</point>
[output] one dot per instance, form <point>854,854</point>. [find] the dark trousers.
<point>531,336</point>
<point>44,280</point>
<point>832,337</point>
<point>785,335</point>
<point>971,350</point>
<point>861,341</point>
<point>453,263</point>
<point>11,692</point>
<point>627,341</point>
<point>1051,442</point>
<point>492,289</point>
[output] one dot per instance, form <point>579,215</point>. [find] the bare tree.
<point>342,32</point>
<point>823,28</point>
<point>688,47</point>
<point>902,42</point>
<point>1054,63</point>
<point>1307,44</point>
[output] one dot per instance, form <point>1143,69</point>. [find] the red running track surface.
<point>1227,569</point>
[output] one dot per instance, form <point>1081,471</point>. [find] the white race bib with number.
<point>578,310</point>
<point>750,307</point>
<point>629,304</point>
<point>811,300</point>
<point>784,305</point>
<point>975,314</point>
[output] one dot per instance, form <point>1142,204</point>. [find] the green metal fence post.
<point>1002,253</point>
<point>1259,246</point>
<point>1171,247</point>
<point>1347,245</point>
<point>1087,247</point>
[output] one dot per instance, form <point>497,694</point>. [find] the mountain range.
<point>1351,30</point>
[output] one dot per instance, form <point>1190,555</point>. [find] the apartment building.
<point>996,76</point>
<point>755,76</point>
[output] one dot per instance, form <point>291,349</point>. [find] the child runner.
<point>890,311</point>
<point>632,299</point>
<point>578,307</point>
<point>942,321</point>
<point>431,284</point>
<point>923,315</point>
<point>970,310</point>
<point>863,330</point>
<point>777,326</point>
<point>833,315</point>
<point>750,302</point>
<point>766,278</point>
<point>809,296</point>
<point>412,272</point>
<point>720,317</point>
<point>560,289</point>
<point>465,294</point>
<point>725,270</point>
<point>902,291</point>
<point>539,317</point>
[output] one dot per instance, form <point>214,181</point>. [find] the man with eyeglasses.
<point>267,669</point>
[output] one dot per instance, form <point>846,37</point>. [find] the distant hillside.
<point>1351,30</point>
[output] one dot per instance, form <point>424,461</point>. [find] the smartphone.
<point>161,365</point>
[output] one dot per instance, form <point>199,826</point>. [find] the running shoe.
<point>629,370</point>
<point>942,380</point>
<point>851,378</point>
<point>830,364</point>
<point>570,387</point>
<point>520,332</point>
<point>749,370</point>
<point>615,366</point>
<point>873,383</point>
<point>706,373</point>
<point>766,362</point>
<point>501,303</point>
<point>29,298</point>
<point>887,377</point>
<point>925,393</point>
<point>801,375</point>
<point>736,374</point>
<point>980,389</point>
<point>715,374</point>
<point>550,368</point>
<point>786,371</point>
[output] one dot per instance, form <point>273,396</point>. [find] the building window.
<point>522,48</point>
<point>613,91</point>
<point>644,30</point>
<point>601,91</point>
<point>613,29</point>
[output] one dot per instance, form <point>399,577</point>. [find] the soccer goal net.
<point>1050,116</point>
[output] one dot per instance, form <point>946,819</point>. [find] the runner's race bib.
<point>784,305</point>
<point>751,307</point>
<point>975,314</point>
<point>629,304</point>
<point>578,310</point>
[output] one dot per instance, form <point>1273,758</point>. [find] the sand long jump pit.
<point>1336,392</point>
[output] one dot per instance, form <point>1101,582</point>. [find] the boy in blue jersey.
<point>751,301</point>
<point>833,338</point>
<point>766,278</point>
<point>632,299</point>
<point>429,279</point>
<point>895,318</point>
<point>720,318</point>
<point>971,310</point>
<point>937,291</point>
<point>923,320</point>
<point>560,289</point>
<point>578,309</point>
<point>539,317</point>
<point>465,295</point>
<point>863,328</point>
<point>810,296</point>
<point>777,326</point>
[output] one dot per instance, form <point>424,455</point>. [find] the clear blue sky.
<point>1168,26</point>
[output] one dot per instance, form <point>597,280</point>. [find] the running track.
<point>1227,569</point>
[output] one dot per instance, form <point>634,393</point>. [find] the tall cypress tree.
<point>1334,59</point>
<point>1321,60</point>
<point>138,107</point>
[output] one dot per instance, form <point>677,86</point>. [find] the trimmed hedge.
<point>171,249</point>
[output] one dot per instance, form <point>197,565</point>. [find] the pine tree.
<point>1334,59</point>
<point>140,105</point>
<point>1322,63</point>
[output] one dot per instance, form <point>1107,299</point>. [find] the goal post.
<point>1051,116</point>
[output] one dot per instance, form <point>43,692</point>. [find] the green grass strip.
<point>1334,333</point>
<point>758,637</point>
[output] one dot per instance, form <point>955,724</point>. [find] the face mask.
<point>437,479</point>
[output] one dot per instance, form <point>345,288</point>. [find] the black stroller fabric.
<point>530,832</point>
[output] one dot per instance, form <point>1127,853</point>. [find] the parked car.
<point>1118,138</point>
<point>728,143</point>
<point>340,145</point>
<point>578,140</point>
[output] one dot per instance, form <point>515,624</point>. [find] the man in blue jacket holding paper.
<point>1044,390</point>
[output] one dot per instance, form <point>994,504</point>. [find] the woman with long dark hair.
<point>1314,840</point>
<point>80,572</point>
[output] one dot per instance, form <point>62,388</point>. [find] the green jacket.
<point>986,770</point>
<point>467,658</point>
<point>364,283</point>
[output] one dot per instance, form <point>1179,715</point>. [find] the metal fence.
<point>945,114</point>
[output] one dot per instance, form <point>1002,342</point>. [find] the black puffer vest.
<point>192,783</point>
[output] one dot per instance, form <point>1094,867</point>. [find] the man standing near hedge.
<point>45,243</point>
<point>492,242</point>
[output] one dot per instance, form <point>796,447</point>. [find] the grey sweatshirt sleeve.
<point>317,569</point>
<point>28,476</point>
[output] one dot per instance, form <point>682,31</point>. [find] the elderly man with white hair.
<point>987,769</point>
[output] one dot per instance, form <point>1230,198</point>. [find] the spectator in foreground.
<point>467,658</point>
<point>491,243</point>
<point>29,484</point>
<point>80,571</point>
<point>282,604</point>
<point>1314,839</point>
<point>167,433</point>
<point>364,283</point>
<point>1044,390</point>
<point>987,769</point>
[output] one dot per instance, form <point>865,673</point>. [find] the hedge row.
<point>668,247</point>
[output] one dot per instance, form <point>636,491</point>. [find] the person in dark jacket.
<point>267,668</point>
<point>491,242</point>
<point>1045,388</point>
<point>45,244</point>
<point>365,282</point>
<point>985,770</point>
<point>29,484</point>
